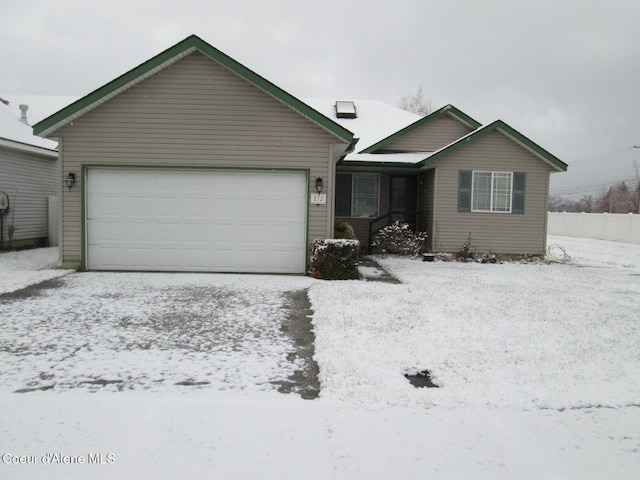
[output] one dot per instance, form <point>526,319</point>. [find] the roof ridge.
<point>447,109</point>
<point>168,57</point>
<point>511,132</point>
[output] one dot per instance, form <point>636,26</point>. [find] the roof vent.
<point>23,113</point>
<point>345,109</point>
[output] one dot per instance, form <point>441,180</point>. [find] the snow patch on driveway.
<point>122,331</point>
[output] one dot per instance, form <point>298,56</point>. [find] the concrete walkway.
<point>371,271</point>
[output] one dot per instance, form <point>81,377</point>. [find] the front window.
<point>491,192</point>
<point>357,195</point>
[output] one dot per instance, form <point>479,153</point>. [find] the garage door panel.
<point>222,207</point>
<point>113,257</point>
<point>168,205</point>
<point>104,231</point>
<point>199,230</point>
<point>105,204</point>
<point>225,258</point>
<point>196,220</point>
<point>164,232</point>
<point>116,258</point>
<point>194,203</point>
<point>222,233</point>
<point>196,258</point>
<point>279,258</point>
<point>282,208</point>
<point>281,234</point>
<point>140,231</point>
<point>136,255</point>
<point>167,257</point>
<point>137,206</point>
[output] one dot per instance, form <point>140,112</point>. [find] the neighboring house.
<point>193,162</point>
<point>28,177</point>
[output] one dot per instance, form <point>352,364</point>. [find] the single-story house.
<point>193,162</point>
<point>445,174</point>
<point>28,178</point>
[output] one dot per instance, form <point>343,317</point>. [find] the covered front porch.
<point>368,199</point>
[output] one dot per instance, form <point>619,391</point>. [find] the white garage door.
<point>196,220</point>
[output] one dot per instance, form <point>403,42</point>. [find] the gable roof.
<point>511,133</point>
<point>447,109</point>
<point>187,46</point>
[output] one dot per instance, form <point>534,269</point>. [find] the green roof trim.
<point>183,48</point>
<point>450,109</point>
<point>516,136</point>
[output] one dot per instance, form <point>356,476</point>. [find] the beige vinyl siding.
<point>193,113</point>
<point>28,179</point>
<point>431,136</point>
<point>502,232</point>
<point>426,192</point>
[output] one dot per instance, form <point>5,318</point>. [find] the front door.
<point>403,199</point>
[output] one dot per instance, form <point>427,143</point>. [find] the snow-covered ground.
<point>527,336</point>
<point>26,267</point>
<point>538,367</point>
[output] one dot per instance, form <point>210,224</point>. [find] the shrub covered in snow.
<point>334,259</point>
<point>344,230</point>
<point>399,239</point>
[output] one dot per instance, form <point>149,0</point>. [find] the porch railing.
<point>375,225</point>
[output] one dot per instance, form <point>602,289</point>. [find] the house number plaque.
<point>318,199</point>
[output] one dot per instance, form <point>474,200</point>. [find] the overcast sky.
<point>565,73</point>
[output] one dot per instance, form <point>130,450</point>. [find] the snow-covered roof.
<point>405,158</point>
<point>15,134</point>
<point>40,106</point>
<point>375,120</point>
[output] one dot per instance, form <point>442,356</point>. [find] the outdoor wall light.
<point>319,184</point>
<point>70,180</point>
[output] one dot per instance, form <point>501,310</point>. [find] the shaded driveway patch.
<point>130,331</point>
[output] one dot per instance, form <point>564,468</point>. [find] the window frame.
<point>353,197</point>
<point>492,192</point>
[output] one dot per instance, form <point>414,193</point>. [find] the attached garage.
<point>171,219</point>
<point>192,162</point>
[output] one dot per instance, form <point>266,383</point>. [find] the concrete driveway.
<point>147,331</point>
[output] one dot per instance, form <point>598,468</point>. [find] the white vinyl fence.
<point>618,227</point>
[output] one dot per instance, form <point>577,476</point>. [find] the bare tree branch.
<point>415,102</point>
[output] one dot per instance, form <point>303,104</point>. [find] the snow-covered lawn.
<point>538,368</point>
<point>527,336</point>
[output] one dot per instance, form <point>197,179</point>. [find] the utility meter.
<point>4,202</point>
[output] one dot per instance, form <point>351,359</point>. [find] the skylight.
<point>345,109</point>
